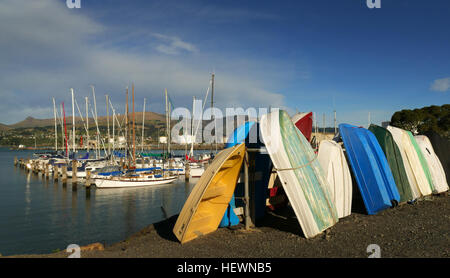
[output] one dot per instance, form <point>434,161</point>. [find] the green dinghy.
<point>395,161</point>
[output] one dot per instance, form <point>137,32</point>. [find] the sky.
<point>296,55</point>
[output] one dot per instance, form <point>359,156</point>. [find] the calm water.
<point>40,216</point>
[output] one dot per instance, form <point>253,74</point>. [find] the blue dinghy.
<point>370,168</point>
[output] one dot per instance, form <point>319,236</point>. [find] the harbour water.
<point>43,216</point>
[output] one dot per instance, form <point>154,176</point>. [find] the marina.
<point>221,129</point>
<point>43,215</point>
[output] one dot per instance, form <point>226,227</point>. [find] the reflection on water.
<point>39,215</point>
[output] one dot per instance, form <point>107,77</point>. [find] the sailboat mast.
<point>167,122</point>
<point>56,126</point>
<point>96,121</point>
<point>65,131</point>
<point>335,122</point>
<point>126,131</point>
<point>143,121</point>
<point>107,122</point>
<point>62,127</point>
<point>212,109</point>
<point>191,151</point>
<point>113,128</point>
<point>87,123</point>
<point>323,123</point>
<point>73,122</point>
<point>134,128</point>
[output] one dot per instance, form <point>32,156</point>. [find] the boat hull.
<point>370,168</point>
<point>394,158</point>
<point>332,159</point>
<point>304,122</point>
<point>414,170</point>
<point>208,200</point>
<point>300,173</point>
<point>434,164</point>
<point>441,147</point>
<point>120,183</point>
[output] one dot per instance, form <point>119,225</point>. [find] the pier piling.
<point>187,171</point>
<point>46,170</point>
<point>55,172</point>
<point>74,173</point>
<point>88,179</point>
<point>64,175</point>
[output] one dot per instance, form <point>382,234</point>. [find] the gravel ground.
<point>410,230</point>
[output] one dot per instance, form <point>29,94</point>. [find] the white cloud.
<point>46,48</point>
<point>173,45</point>
<point>441,85</point>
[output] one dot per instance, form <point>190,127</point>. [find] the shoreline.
<point>421,229</point>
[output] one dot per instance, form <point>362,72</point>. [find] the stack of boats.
<point>390,167</point>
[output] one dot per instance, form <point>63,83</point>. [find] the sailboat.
<point>134,177</point>
<point>197,165</point>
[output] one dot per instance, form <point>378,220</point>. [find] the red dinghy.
<point>304,122</point>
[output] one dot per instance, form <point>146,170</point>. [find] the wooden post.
<point>248,220</point>
<point>88,178</point>
<point>15,161</point>
<point>55,172</point>
<point>46,171</point>
<point>187,171</point>
<point>170,167</point>
<point>33,167</point>
<point>74,173</point>
<point>64,175</point>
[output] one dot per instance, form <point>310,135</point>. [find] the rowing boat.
<point>300,173</point>
<point>208,200</point>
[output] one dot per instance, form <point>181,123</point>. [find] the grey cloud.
<point>441,85</point>
<point>46,49</point>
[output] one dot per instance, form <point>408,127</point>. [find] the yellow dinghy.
<point>208,200</point>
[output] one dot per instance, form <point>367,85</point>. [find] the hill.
<point>4,127</point>
<point>31,122</point>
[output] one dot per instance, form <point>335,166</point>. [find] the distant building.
<point>163,140</point>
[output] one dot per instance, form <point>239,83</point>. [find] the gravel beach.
<point>421,229</point>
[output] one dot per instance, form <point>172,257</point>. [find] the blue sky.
<point>297,55</point>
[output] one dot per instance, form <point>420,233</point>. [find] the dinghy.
<point>394,158</point>
<point>422,160</point>
<point>303,121</point>
<point>238,136</point>
<point>370,168</point>
<point>333,162</point>
<point>208,200</point>
<point>300,173</point>
<point>441,147</point>
<point>436,170</point>
<point>414,170</point>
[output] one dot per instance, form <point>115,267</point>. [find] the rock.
<point>94,246</point>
